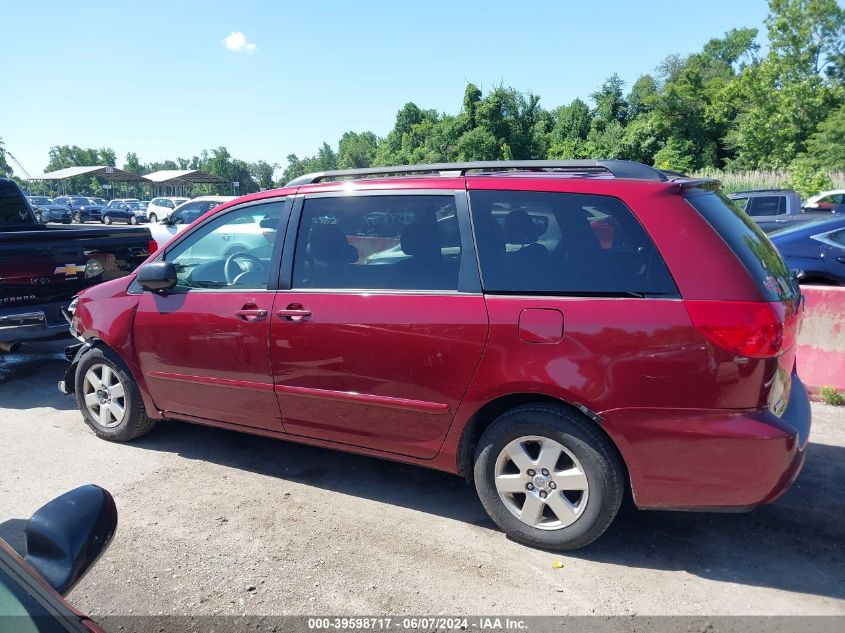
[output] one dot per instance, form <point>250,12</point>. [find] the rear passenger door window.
<point>564,243</point>
<point>386,242</point>
<point>766,205</point>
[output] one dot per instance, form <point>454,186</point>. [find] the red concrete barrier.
<point>821,342</point>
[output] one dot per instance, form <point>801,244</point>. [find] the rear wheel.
<point>548,477</point>
<point>133,219</point>
<point>153,217</point>
<point>109,399</point>
<point>106,219</point>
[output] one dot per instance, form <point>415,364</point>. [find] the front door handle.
<point>294,313</point>
<point>251,314</point>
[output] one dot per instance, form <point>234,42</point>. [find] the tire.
<point>108,425</point>
<point>77,217</point>
<point>588,496</point>
<point>106,219</point>
<point>133,219</point>
<point>38,217</point>
<point>153,217</point>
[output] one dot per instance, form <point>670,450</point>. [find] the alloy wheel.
<point>104,394</point>
<point>541,482</point>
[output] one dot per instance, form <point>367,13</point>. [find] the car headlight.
<point>72,306</point>
<point>93,268</point>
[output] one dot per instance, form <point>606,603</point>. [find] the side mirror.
<point>66,537</point>
<point>157,276</point>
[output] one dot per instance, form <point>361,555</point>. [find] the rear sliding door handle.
<point>294,314</point>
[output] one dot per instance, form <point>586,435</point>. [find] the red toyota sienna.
<point>554,330</point>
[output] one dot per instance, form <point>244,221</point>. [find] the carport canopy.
<point>112,174</point>
<point>183,177</point>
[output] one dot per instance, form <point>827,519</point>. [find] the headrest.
<point>520,228</point>
<point>329,245</point>
<point>420,240</point>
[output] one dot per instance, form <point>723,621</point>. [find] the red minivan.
<point>556,331</point>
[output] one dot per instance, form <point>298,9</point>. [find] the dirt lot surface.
<point>216,522</point>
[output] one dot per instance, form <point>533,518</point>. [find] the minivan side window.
<point>232,251</point>
<point>401,242</point>
<point>564,243</point>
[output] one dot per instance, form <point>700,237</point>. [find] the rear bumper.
<point>36,322</point>
<point>712,460</point>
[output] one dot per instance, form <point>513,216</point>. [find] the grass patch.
<point>833,396</point>
<point>746,180</point>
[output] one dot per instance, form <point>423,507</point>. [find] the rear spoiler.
<point>707,184</point>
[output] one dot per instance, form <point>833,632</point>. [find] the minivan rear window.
<point>750,244</point>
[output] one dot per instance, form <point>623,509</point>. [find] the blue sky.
<point>157,79</point>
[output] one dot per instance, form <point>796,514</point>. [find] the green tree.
<point>133,165</point>
<point>569,131</point>
<point>777,103</point>
<point>643,96</point>
<point>357,150</point>
<point>826,147</point>
<point>5,169</point>
<point>262,173</point>
<point>610,104</point>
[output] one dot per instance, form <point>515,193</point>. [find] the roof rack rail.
<point>616,168</point>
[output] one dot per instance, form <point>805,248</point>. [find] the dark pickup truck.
<point>774,209</point>
<point>43,267</point>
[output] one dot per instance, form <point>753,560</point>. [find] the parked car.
<point>183,215</point>
<point>46,210</point>
<point>817,249</point>
<point>128,211</point>
<point>82,209</point>
<point>61,542</point>
<point>773,209</point>
<point>160,208</point>
<point>833,201</point>
<point>553,371</point>
<point>43,267</point>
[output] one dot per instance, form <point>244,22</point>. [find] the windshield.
<point>40,200</point>
<point>81,201</point>
<point>135,206</point>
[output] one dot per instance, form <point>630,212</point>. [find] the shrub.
<point>832,396</point>
<point>807,178</point>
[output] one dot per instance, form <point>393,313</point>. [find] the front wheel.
<point>106,219</point>
<point>77,217</point>
<point>38,218</point>
<point>133,219</point>
<point>153,217</point>
<point>548,477</point>
<point>108,397</point>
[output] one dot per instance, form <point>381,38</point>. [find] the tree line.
<point>728,107</point>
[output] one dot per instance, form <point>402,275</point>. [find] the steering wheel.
<point>233,271</point>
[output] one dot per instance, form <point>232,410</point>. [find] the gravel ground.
<point>216,522</point>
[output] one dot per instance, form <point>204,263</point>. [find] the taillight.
<point>153,246</point>
<point>747,328</point>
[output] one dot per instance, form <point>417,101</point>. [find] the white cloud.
<point>237,42</point>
